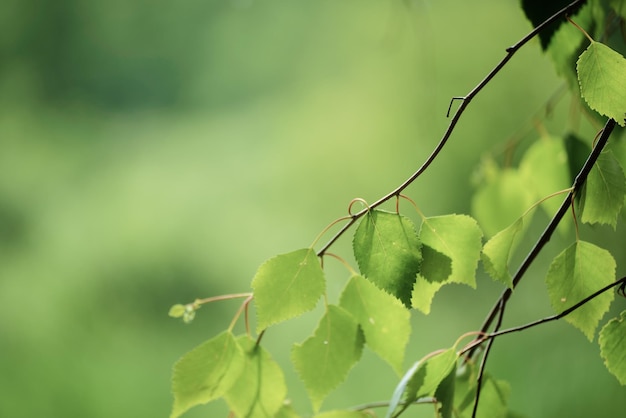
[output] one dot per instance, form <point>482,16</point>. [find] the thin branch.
<point>465,101</point>
<point>547,233</point>
<point>483,363</point>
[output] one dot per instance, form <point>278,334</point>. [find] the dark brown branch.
<point>547,233</point>
<point>465,101</point>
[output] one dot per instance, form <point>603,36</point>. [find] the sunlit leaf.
<point>388,252</point>
<point>451,250</point>
<point>206,373</point>
<point>602,78</point>
<point>457,237</point>
<point>576,273</point>
<point>324,359</point>
<point>385,321</point>
<point>497,252</point>
<point>604,191</point>
<point>500,200</point>
<point>260,390</point>
<point>613,347</point>
<point>287,286</point>
<point>423,294</point>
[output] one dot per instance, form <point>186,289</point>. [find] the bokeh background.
<point>154,152</point>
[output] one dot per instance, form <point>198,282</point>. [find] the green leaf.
<point>604,191</point>
<point>206,373</point>
<point>436,369</point>
<point>538,11</point>
<point>602,79</point>
<point>501,200</point>
<point>287,286</point>
<point>457,237</point>
<point>324,359</point>
<point>445,394</point>
<point>545,170</point>
<point>568,43</point>
<point>423,294</point>
<point>497,252</point>
<point>261,389</point>
<point>422,379</point>
<point>613,347</point>
<point>388,252</point>
<point>385,322</point>
<point>454,237</point>
<point>576,273</point>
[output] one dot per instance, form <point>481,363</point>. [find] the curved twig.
<point>465,101</point>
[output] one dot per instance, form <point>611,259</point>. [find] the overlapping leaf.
<point>385,321</point>
<point>287,286</point>
<point>602,79</point>
<point>576,273</point>
<point>324,359</point>
<point>451,250</point>
<point>497,252</point>
<point>457,237</point>
<point>613,347</point>
<point>604,191</point>
<point>206,373</point>
<point>387,250</point>
<point>260,390</point>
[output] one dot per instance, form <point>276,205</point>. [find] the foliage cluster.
<point>401,266</point>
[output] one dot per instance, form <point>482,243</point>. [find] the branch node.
<point>462,98</point>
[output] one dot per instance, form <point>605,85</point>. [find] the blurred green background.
<point>154,152</point>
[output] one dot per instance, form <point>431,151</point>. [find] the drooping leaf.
<point>385,321</point>
<point>604,191</point>
<point>287,286</point>
<point>457,237</point>
<point>500,200</point>
<point>388,252</point>
<point>545,170</point>
<point>422,380</point>
<point>613,347</point>
<point>602,79</point>
<point>324,359</point>
<point>498,250</point>
<point>206,373</point>
<point>576,273</point>
<point>260,390</point>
